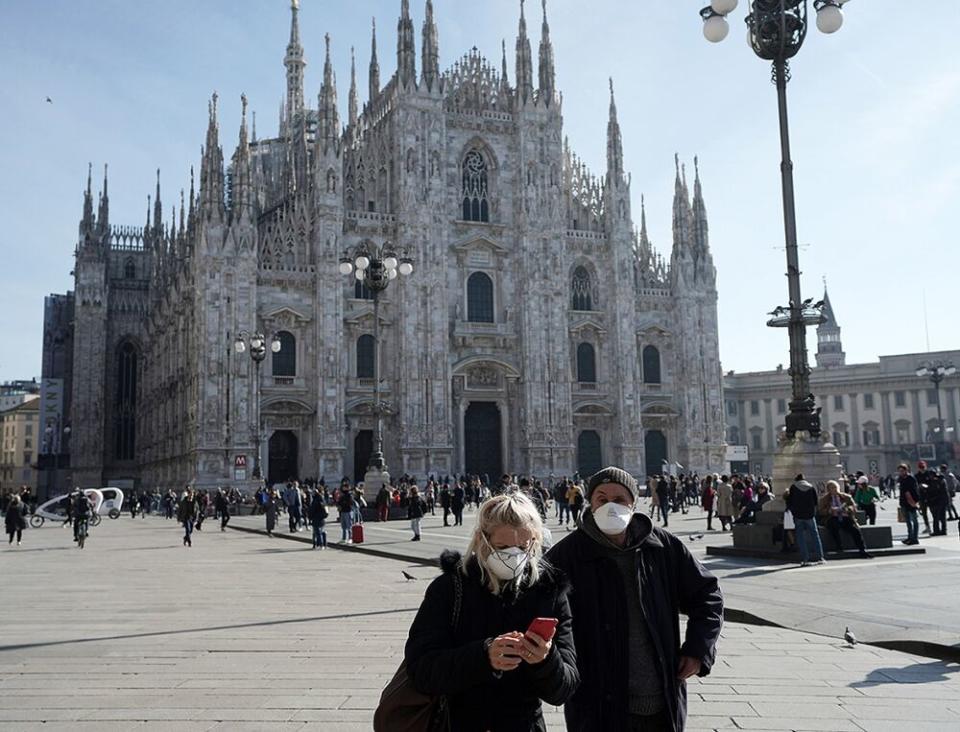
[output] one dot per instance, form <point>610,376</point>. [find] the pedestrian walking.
<point>346,506</point>
<point>470,640</point>
<point>575,502</point>
<point>292,501</point>
<point>707,500</point>
<point>630,582</point>
<point>952,484</point>
<point>186,515</point>
<point>457,502</point>
<point>318,518</point>
<point>909,503</point>
<point>271,507</point>
<point>14,518</point>
<point>445,501</point>
<point>383,503</point>
<point>801,499</point>
<point>663,499</point>
<point>222,505</point>
<point>203,501</point>
<point>416,508</point>
<point>725,502</point>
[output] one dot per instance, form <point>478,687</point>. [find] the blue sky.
<point>873,108</point>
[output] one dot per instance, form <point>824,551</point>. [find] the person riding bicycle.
<point>82,508</point>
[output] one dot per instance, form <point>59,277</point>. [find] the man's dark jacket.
<point>671,582</point>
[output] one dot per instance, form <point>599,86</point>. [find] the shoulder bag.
<point>404,709</point>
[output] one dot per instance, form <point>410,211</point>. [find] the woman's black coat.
<point>14,517</point>
<point>455,663</point>
<point>671,582</point>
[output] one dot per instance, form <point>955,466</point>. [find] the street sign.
<point>239,473</point>
<point>240,461</point>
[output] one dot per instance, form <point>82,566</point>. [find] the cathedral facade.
<point>538,333</point>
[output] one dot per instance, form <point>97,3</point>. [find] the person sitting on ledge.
<point>840,513</point>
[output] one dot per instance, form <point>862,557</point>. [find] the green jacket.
<point>865,495</point>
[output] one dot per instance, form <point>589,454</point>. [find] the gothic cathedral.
<point>539,333</point>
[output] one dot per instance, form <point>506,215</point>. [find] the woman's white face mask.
<point>613,518</point>
<point>506,564</point>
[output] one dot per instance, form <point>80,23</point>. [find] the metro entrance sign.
<point>240,467</point>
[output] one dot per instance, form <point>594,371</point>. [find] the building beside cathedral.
<point>877,414</point>
<point>539,332</point>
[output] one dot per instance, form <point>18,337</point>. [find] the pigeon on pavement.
<point>849,637</point>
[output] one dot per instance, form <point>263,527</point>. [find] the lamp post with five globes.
<point>376,267</point>
<point>776,31</point>
<point>257,345</point>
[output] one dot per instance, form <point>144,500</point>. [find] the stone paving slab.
<point>243,632</point>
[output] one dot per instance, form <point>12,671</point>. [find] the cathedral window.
<point>366,357</point>
<point>582,289</point>
<point>285,360</point>
<point>125,405</point>
<point>651,365</point>
<point>479,298</point>
<point>476,205</point>
<point>130,269</point>
<point>586,364</point>
<point>361,291</point>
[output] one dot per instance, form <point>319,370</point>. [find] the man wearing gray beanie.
<point>630,580</point>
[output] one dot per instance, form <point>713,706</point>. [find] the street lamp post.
<point>936,371</point>
<point>376,267</point>
<point>256,344</point>
<point>777,29</point>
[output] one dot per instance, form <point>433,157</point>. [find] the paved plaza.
<point>244,632</point>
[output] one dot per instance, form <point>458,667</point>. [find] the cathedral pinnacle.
<point>524,65</point>
<point>157,208</point>
<point>328,122</point>
<point>431,51</point>
<point>211,169</point>
<point>547,74</point>
<point>682,217</point>
<point>87,222</point>
<point>103,215</point>
<point>352,98</point>
<point>700,231</point>
<point>374,86</point>
<point>614,143</point>
<point>294,63</point>
<point>406,52</point>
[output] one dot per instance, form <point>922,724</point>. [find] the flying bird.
<point>407,575</point>
<point>849,637</point>
<point>49,100</point>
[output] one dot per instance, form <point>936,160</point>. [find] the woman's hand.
<point>505,651</point>
<point>534,648</point>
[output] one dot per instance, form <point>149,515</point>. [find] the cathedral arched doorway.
<point>655,446</point>
<point>283,457</point>
<point>589,453</point>
<point>362,449</point>
<point>481,440</point>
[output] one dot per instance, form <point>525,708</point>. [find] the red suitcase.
<point>356,533</point>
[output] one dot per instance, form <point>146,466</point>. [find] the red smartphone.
<point>544,627</point>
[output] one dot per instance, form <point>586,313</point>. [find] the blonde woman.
<point>492,669</point>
